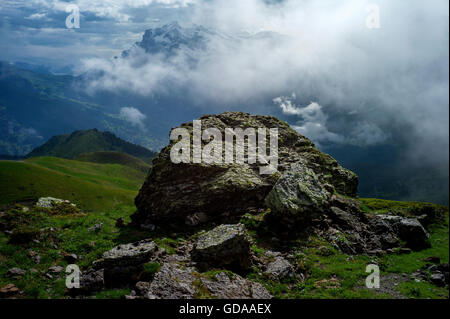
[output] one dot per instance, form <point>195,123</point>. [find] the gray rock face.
<point>224,287</point>
<point>280,269</point>
<point>298,195</point>
<point>224,246</point>
<point>15,272</point>
<point>172,283</point>
<point>174,191</point>
<point>127,255</point>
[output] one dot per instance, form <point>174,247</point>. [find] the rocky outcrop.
<point>173,282</point>
<point>172,192</point>
<point>355,232</point>
<point>224,246</point>
<point>410,230</point>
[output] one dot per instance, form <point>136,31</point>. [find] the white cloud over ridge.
<point>314,125</point>
<point>133,115</point>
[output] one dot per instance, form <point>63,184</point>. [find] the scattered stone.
<point>332,283</point>
<point>56,269</point>
<point>96,227</point>
<point>438,279</point>
<point>15,272</point>
<point>433,259</point>
<point>8,291</point>
<point>34,271</point>
<point>71,258</point>
<point>50,202</point>
<point>34,256</point>
<point>280,269</point>
<point>224,246</point>
<point>236,287</point>
<point>404,251</point>
<point>432,268</point>
<point>127,255</point>
<point>90,281</point>
<point>171,282</point>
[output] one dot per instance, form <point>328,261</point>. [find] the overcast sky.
<point>337,80</point>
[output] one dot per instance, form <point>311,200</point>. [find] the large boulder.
<point>172,193</point>
<point>224,246</point>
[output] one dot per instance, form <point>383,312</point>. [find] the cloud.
<point>387,85</point>
<point>314,125</point>
<point>113,9</point>
<point>133,115</point>
<point>37,16</point>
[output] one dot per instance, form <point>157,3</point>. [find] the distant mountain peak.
<point>87,141</point>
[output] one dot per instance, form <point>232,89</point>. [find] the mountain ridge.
<point>79,142</point>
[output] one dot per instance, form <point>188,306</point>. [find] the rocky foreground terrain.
<point>225,231</point>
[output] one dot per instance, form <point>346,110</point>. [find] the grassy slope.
<point>108,190</point>
<point>91,186</point>
<point>114,158</point>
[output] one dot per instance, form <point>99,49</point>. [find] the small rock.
<point>71,258</point>
<point>96,227</point>
<point>438,279</point>
<point>433,259</point>
<point>15,272</point>
<point>56,269</point>
<point>404,251</point>
<point>127,255</point>
<point>432,268</point>
<point>280,269</point>
<point>225,245</point>
<point>224,286</point>
<point>8,291</point>
<point>90,281</point>
<point>332,283</point>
